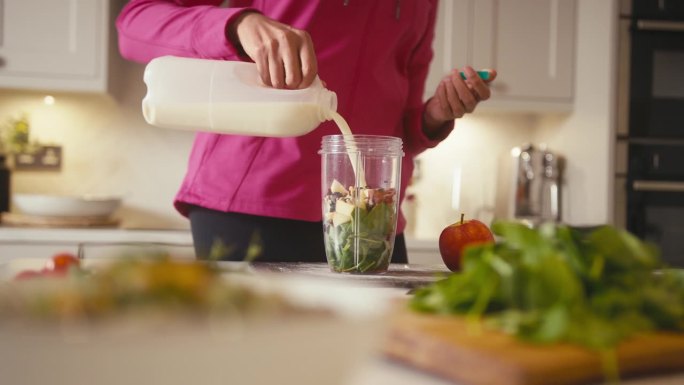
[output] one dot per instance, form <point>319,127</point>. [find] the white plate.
<point>65,205</point>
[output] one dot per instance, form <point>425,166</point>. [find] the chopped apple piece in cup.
<point>359,228</point>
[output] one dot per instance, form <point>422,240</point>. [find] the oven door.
<point>655,197</point>
<point>657,79</point>
<point>656,214</point>
<point>656,9</point>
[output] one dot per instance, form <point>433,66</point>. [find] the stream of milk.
<point>359,174</point>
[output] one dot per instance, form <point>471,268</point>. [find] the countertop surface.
<point>399,276</point>
<point>14,241</point>
<point>401,279</point>
<point>397,282</point>
<point>380,371</point>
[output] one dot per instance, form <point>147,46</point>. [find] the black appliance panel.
<point>657,84</point>
<point>656,162</point>
<point>658,9</point>
<point>658,217</point>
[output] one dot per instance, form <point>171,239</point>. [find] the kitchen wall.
<point>469,173</point>
<point>586,135</point>
<point>110,150</point>
<point>480,146</point>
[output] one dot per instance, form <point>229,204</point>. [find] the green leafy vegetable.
<point>375,228</point>
<point>557,284</point>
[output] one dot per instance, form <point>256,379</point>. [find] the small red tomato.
<point>27,274</point>
<point>62,262</point>
<point>49,272</point>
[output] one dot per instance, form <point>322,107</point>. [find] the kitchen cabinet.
<point>531,44</point>
<point>43,243</point>
<point>60,45</point>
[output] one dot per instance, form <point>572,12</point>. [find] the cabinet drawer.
<point>10,250</point>
<point>59,45</point>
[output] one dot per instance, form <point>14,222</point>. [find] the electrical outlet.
<point>47,158</point>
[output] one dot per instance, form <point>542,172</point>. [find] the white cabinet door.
<point>452,41</point>
<point>54,44</point>
<point>533,48</point>
<point>529,42</point>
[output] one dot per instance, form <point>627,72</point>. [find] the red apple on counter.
<point>455,237</point>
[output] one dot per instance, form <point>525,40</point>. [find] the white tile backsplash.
<point>479,148</point>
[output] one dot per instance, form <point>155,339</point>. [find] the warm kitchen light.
<point>49,100</point>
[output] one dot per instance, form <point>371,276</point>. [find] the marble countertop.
<point>400,276</point>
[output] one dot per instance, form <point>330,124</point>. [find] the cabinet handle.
<point>658,25</point>
<point>657,185</point>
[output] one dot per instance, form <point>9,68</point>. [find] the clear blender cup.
<point>361,177</point>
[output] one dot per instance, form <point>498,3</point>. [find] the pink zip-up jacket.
<point>373,54</point>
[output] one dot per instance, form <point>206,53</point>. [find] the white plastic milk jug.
<point>227,97</point>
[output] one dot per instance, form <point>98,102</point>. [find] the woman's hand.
<point>455,97</point>
<point>284,55</point>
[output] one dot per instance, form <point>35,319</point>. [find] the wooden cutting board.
<point>442,345</point>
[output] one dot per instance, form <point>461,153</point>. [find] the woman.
<point>373,54</point>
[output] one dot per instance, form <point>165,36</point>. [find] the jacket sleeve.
<point>415,141</point>
<point>189,28</point>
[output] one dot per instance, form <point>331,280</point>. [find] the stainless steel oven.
<point>650,134</point>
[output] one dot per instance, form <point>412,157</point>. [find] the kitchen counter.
<point>383,371</point>
<point>398,276</point>
<point>93,235</point>
<point>396,283</point>
<point>19,242</point>
<point>27,242</point>
<point>399,282</point>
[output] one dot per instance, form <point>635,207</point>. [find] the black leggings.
<point>282,240</point>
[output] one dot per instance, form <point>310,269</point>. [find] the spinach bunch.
<point>372,229</point>
<point>555,283</point>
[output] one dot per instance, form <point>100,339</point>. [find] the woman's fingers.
<point>284,55</point>
<point>466,94</point>
<point>478,87</point>
<point>453,98</point>
<point>309,65</point>
<point>443,102</point>
<point>276,70</point>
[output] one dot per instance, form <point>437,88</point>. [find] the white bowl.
<point>65,205</point>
